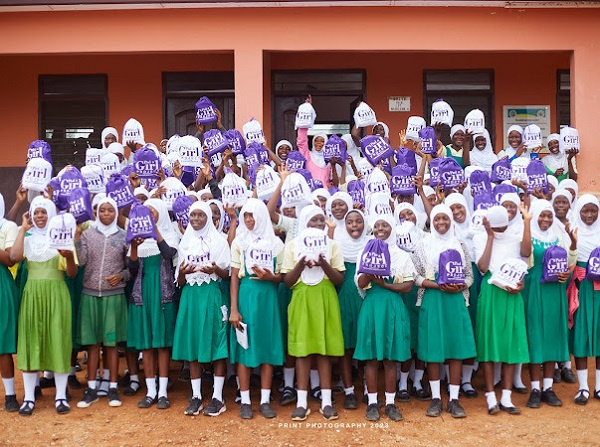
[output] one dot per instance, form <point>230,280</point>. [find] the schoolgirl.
<point>9,307</point>
<point>254,307</point>
<point>44,335</point>
<point>584,298</point>
<point>352,240</point>
<point>557,163</point>
<point>337,207</point>
<point>516,148</point>
<point>152,309</point>
<point>445,330</point>
<point>315,161</point>
<point>314,321</point>
<point>383,333</point>
<point>500,331</point>
<point>102,318</point>
<point>483,155</point>
<point>546,307</point>
<point>201,327</point>
<point>460,146</point>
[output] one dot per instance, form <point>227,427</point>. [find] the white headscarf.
<point>339,223</point>
<point>141,191</point>
<point>510,151</point>
<point>320,192</point>
<point>588,236</point>
<point>283,143</point>
<point>557,224</point>
<point>219,249</point>
<point>421,217</point>
<point>485,158</point>
<point>36,244</point>
<point>571,184</point>
<point>537,208</point>
<point>515,225</point>
<point>386,129</point>
<point>219,205</point>
<point>317,156</point>
<point>111,228</point>
<point>349,246</point>
<point>463,230</point>
<point>435,243</point>
<point>107,131</point>
<point>263,229</point>
<point>149,247</point>
<point>456,128</point>
<point>555,161</point>
<point>351,147</point>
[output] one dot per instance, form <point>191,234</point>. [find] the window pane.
<point>324,81</point>
<point>52,85</point>
<point>451,81</point>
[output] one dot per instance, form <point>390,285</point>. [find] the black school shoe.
<point>300,414</point>
<point>246,411</point>
<point>90,396</point>
<point>403,396</point>
<point>10,403</point>
<point>392,412</point>
<point>550,397</point>
<point>329,413</point>
<point>568,375</point>
<point>63,406</point>
<point>421,394</point>
<point>535,399</point>
<point>510,410</point>
<point>267,411</point>
<point>27,408</point>
<point>147,402</point>
<point>455,409</point>
<point>350,401</point>
<point>215,408</point>
<point>435,408</point>
<point>288,396</point>
<point>582,397</point>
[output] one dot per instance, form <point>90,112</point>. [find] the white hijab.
<point>36,244</point>
<point>571,184</point>
<point>510,151</point>
<point>263,229</point>
<point>283,143</point>
<point>349,246</point>
<point>537,208</point>
<point>485,158</point>
<point>515,225</point>
<point>339,223</point>
<point>219,205</point>
<point>317,156</point>
<point>421,217</point>
<point>351,147</point>
<point>435,243</point>
<point>555,161</point>
<point>588,236</point>
<point>463,230</point>
<point>150,247</point>
<point>111,228</point>
<point>107,131</point>
<point>397,255</point>
<point>386,129</point>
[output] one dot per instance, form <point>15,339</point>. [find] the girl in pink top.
<point>315,162</point>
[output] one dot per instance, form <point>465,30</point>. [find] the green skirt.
<point>445,330</point>
<point>501,334</point>
<point>44,335</point>
<point>258,305</point>
<point>383,327</point>
<point>102,320</point>
<point>200,332</point>
<point>284,298</point>
<point>75,286</point>
<point>586,322</point>
<point>474,294</point>
<point>9,309</point>
<point>350,303</point>
<point>410,301</point>
<point>314,321</point>
<point>152,324</point>
<point>546,311</point>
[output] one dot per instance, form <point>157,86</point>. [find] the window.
<point>464,90</point>
<point>72,114</point>
<point>334,93</point>
<point>181,91</point>
<point>563,99</point>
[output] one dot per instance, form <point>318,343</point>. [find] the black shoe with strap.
<point>27,408</point>
<point>63,406</point>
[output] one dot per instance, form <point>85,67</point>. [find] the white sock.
<point>505,399</point>
<point>568,364</point>
<point>196,388</point>
<point>403,382</point>
<point>37,379</point>
<point>61,385</point>
<point>113,385</point>
<point>92,384</point>
<point>372,398</point>
<point>389,398</point>
<point>349,390</point>
<point>162,386</point>
<point>535,385</point>
<point>265,396</point>
<point>548,383</point>
<point>237,382</point>
<point>517,382</point>
<point>435,389</point>
<point>245,397</point>
<point>365,391</point>
<point>497,372</point>
<point>48,375</point>
<point>582,376</point>
<point>29,381</point>
<point>491,399</point>
<point>314,379</point>
<point>218,388</point>
<point>418,377</point>
<point>9,386</point>
<point>467,374</point>
<point>134,386</point>
<point>325,397</point>
<point>302,399</point>
<point>151,387</point>
<point>288,377</point>
<point>597,380</point>
<point>454,392</point>
<point>105,380</point>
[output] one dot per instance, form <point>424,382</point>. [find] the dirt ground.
<point>130,426</point>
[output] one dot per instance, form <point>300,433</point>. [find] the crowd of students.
<point>318,261</point>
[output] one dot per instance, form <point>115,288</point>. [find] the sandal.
<point>129,391</point>
<point>63,406</point>
<point>581,398</point>
<point>27,408</point>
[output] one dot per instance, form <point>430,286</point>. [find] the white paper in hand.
<point>242,335</point>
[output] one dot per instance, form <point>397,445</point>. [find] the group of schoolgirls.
<point>445,280</point>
